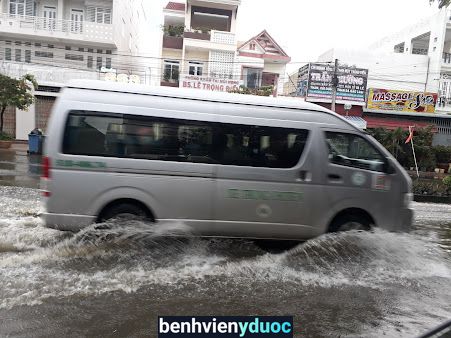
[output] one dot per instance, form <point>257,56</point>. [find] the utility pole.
<point>334,85</point>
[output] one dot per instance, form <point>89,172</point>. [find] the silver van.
<point>224,164</point>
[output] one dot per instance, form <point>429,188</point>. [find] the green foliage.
<point>262,91</point>
<point>172,30</point>
<point>447,183</point>
<point>16,92</point>
<point>5,137</point>
<point>442,154</point>
<point>394,142</point>
<point>431,187</point>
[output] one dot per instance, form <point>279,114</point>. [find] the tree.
<point>441,3</point>
<point>16,93</point>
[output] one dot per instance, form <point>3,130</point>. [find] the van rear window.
<point>165,139</point>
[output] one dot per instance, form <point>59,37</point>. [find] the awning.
<point>393,123</point>
<point>357,121</point>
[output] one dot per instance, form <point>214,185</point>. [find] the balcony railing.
<point>83,30</point>
<point>215,36</point>
<point>223,37</point>
<point>446,57</point>
<point>174,42</point>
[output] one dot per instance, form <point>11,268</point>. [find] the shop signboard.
<point>351,86</point>
<point>207,83</point>
<point>401,101</point>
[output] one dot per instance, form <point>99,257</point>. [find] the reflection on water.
<point>350,284</point>
<point>17,168</point>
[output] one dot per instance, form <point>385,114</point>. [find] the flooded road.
<point>114,282</point>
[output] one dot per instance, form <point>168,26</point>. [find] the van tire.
<point>125,210</point>
<point>348,222</point>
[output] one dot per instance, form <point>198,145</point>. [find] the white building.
<point>200,49</point>
<point>60,40</point>
<point>431,38</point>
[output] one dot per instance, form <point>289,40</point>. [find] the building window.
<point>171,71</point>
<point>37,44</point>
<point>68,48</point>
<point>90,50</point>
<point>74,57</point>
<point>90,61</point>
<point>28,44</point>
<point>435,39</point>
<point>18,43</point>
<point>108,63</point>
<point>18,55</point>
<point>109,51</point>
<point>252,46</point>
<point>81,49</point>
<point>196,68</point>
<point>28,56</point>
<point>17,7</point>
<point>7,42</point>
<point>50,46</point>
<point>43,54</point>
<point>252,77</point>
<point>99,62</point>
<point>103,15</point>
<point>8,54</point>
<point>99,51</point>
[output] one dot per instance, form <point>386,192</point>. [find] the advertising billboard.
<point>401,101</point>
<point>351,86</point>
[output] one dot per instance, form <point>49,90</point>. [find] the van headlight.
<point>408,199</point>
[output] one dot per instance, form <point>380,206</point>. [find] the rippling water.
<point>119,277</point>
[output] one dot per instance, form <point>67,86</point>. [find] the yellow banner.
<point>401,101</point>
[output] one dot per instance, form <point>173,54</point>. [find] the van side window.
<point>353,151</point>
<point>166,139</point>
<point>139,137</point>
<point>259,146</point>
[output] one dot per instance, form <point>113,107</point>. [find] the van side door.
<point>266,182</point>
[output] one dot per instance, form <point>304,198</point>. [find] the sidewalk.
<point>17,168</point>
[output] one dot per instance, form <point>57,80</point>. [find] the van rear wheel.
<point>125,211</point>
<point>350,222</point>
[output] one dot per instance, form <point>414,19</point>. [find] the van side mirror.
<point>388,167</point>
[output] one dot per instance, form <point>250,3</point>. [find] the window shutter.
<point>91,14</point>
<point>29,7</point>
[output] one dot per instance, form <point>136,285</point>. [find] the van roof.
<point>195,94</point>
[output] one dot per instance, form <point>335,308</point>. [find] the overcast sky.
<point>308,28</point>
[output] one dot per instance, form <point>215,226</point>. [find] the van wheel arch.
<point>351,215</point>
<point>133,203</point>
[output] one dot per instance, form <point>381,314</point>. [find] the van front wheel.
<point>124,211</point>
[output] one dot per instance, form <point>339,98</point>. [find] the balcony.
<point>214,39</point>
<point>60,30</point>
<point>173,42</point>
<point>47,75</point>
<point>221,2</point>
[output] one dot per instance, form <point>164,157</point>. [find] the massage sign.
<point>401,101</point>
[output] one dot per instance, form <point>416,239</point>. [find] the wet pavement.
<point>116,281</point>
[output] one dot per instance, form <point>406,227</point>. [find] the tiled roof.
<point>175,6</point>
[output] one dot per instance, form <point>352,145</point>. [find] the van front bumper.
<point>405,219</point>
<point>67,222</point>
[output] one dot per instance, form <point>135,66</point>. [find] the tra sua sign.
<point>401,101</point>
<point>210,84</point>
<point>315,83</point>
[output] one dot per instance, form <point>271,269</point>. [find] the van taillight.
<point>45,176</point>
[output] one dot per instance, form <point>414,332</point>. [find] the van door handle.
<point>304,176</point>
<point>334,177</point>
